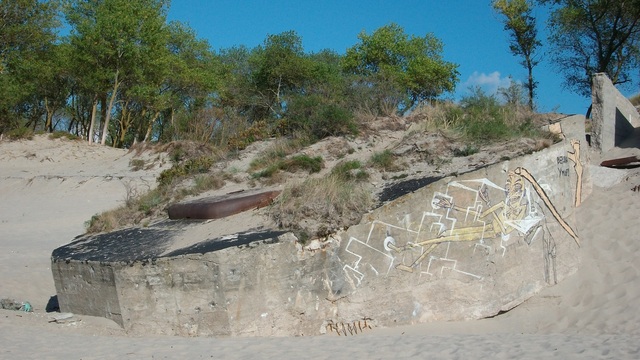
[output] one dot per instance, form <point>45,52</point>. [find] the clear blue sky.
<point>471,31</point>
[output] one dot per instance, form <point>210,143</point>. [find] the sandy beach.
<point>49,188</point>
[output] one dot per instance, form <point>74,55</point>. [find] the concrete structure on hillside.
<point>464,247</point>
<point>614,118</point>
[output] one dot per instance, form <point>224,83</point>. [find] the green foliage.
<point>318,117</point>
<point>325,204</point>
<point>596,36</point>
<point>63,135</point>
<point>20,133</point>
<point>484,117</point>
<point>411,65</point>
<point>466,151</point>
<point>179,171</point>
<point>292,164</point>
<point>479,119</point>
<point>241,139</point>
<point>150,201</point>
<point>520,23</point>
<point>350,170</point>
<point>27,34</point>
<point>384,160</point>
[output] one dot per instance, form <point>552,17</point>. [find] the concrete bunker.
<point>462,247</point>
<point>614,119</point>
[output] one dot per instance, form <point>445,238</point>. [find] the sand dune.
<point>49,188</point>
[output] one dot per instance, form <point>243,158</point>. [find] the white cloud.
<point>489,83</point>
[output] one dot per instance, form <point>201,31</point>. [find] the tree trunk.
<point>92,124</point>
<point>114,94</point>
<point>532,85</point>
<point>48,124</point>
<point>150,127</point>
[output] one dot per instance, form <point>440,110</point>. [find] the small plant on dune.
<point>318,207</point>
<point>350,170</point>
<point>385,161</point>
<point>292,164</point>
<point>20,133</point>
<point>466,151</point>
<point>63,135</point>
<point>178,172</point>
<point>137,164</point>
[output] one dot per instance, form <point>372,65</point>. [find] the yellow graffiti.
<point>503,215</point>
<point>577,166</point>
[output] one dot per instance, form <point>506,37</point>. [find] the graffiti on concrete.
<point>577,166</point>
<point>475,211</point>
<point>348,328</point>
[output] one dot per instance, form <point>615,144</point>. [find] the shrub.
<point>298,162</point>
<point>63,134</point>
<point>318,117</point>
<point>466,151</point>
<point>243,138</point>
<point>383,160</point>
<point>20,133</point>
<point>320,206</point>
<point>349,170</point>
<point>197,165</point>
<point>136,164</point>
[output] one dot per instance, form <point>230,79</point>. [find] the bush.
<point>63,134</point>
<point>20,133</point>
<point>317,117</point>
<point>349,170</point>
<point>243,138</point>
<point>466,151</point>
<point>136,164</point>
<point>384,160</point>
<point>298,162</point>
<point>320,206</point>
<point>197,165</point>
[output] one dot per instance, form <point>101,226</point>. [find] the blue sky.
<point>471,31</point>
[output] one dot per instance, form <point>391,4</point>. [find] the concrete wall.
<point>614,117</point>
<point>468,246</point>
<point>464,247</point>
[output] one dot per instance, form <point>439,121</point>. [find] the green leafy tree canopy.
<point>520,23</point>
<point>593,36</point>
<point>412,64</point>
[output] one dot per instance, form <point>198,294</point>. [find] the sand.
<point>49,188</point>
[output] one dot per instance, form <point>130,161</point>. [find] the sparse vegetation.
<point>481,119</point>
<point>318,207</point>
<point>350,170</point>
<point>466,151</point>
<point>64,135</point>
<point>20,133</point>
<point>137,164</point>
<point>171,187</point>
<point>292,164</point>
<point>384,160</point>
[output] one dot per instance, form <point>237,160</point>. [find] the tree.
<point>593,36</point>
<point>522,27</point>
<point>280,67</point>
<point>411,65</point>
<point>194,78</point>
<point>27,34</point>
<point>119,44</point>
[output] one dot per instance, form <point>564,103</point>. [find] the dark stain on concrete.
<point>248,239</point>
<point>399,189</point>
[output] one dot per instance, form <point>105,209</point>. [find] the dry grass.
<point>439,116</point>
<point>320,206</point>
